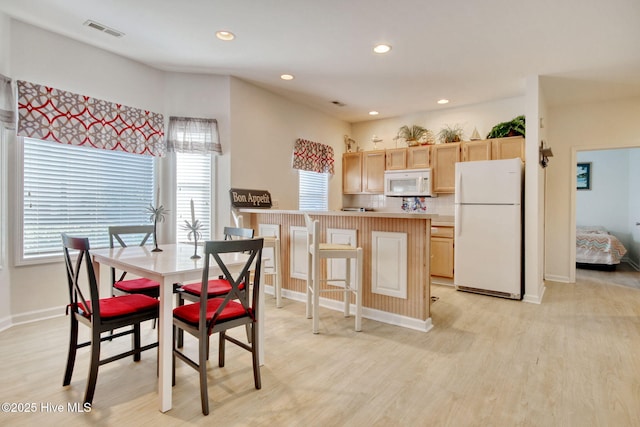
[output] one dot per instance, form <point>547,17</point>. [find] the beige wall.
<point>264,128</point>
<point>5,290</point>
<point>605,124</point>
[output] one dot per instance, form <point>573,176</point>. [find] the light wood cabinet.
<point>373,172</point>
<point>352,173</point>
<point>442,251</point>
<point>396,158</point>
<point>476,150</point>
<point>363,172</point>
<point>508,148</point>
<point>443,159</point>
<point>419,157</point>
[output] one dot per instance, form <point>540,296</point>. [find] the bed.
<point>597,248</point>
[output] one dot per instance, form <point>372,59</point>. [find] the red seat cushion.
<point>137,285</point>
<point>190,313</point>
<point>215,287</point>
<point>124,305</point>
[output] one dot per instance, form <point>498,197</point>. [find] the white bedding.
<point>595,245</point>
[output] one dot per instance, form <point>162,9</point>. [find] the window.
<point>80,191</point>
<point>193,182</point>
<point>313,191</point>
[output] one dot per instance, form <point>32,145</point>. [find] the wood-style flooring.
<point>573,360</point>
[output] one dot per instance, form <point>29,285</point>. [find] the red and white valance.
<point>55,115</point>
<point>313,156</point>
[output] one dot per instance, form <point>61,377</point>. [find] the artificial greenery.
<point>450,134</point>
<point>513,127</point>
<point>413,133</point>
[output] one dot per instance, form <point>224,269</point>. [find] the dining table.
<point>173,264</point>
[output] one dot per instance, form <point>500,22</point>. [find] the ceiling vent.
<point>338,103</point>
<point>96,26</point>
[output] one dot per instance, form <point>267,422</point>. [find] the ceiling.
<point>467,51</point>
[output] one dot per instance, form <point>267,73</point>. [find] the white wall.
<point>634,208</point>
<point>264,127</point>
<point>5,289</point>
<point>571,128</point>
<point>606,203</point>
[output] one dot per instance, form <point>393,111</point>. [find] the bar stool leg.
<point>347,287</point>
<point>316,295</point>
<point>309,283</point>
<point>359,290</point>
<point>278,279</point>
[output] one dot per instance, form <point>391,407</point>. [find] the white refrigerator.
<point>488,227</point>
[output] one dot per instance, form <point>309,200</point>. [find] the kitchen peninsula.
<point>396,277</point>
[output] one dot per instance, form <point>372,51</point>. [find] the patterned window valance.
<point>313,156</point>
<point>6,103</point>
<point>189,135</point>
<point>56,115</point>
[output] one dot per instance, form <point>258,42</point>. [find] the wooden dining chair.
<point>100,314</point>
<point>216,287</point>
<point>218,315</point>
<point>121,234</point>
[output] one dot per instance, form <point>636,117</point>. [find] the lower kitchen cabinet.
<point>442,251</point>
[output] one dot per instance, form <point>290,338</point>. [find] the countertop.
<point>371,214</point>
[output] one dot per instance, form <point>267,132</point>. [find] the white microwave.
<point>408,183</point>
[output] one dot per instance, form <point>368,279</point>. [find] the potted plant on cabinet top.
<point>514,127</point>
<point>450,134</point>
<point>414,134</point>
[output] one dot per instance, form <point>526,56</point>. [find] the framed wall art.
<point>583,176</point>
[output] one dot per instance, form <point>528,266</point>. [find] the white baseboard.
<point>5,323</point>
<point>554,278</point>
<point>369,313</point>
<point>34,316</point>
<point>535,299</point>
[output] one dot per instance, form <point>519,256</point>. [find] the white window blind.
<point>313,191</point>
<point>193,179</point>
<point>80,191</point>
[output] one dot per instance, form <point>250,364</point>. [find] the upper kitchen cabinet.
<point>396,158</point>
<point>443,159</point>
<point>476,150</point>
<point>508,148</point>
<point>373,172</point>
<point>419,157</point>
<point>352,173</point>
<point>363,172</point>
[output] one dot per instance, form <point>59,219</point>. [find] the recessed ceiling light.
<point>382,48</point>
<point>286,77</point>
<point>373,113</point>
<point>225,35</point>
<point>443,101</point>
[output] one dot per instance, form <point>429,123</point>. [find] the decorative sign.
<point>241,198</point>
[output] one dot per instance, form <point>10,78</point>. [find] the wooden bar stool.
<point>318,251</point>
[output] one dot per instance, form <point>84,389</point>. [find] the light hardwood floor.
<point>574,360</point>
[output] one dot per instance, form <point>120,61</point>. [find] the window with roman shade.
<point>194,140</point>
<point>86,164</point>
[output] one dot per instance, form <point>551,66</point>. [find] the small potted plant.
<point>450,134</point>
<point>514,127</point>
<point>413,134</point>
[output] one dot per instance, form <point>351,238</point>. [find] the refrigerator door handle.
<point>456,225</point>
<point>458,186</point>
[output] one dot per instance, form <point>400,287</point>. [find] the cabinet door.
<point>373,172</point>
<point>444,158</point>
<point>442,257</point>
<point>508,148</point>
<point>418,157</point>
<point>476,150</point>
<point>352,173</point>
<point>396,158</point>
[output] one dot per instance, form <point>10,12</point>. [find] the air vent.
<point>338,103</point>
<point>96,26</point>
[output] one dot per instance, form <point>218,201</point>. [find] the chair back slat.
<point>91,307</point>
<point>235,233</point>
<point>116,234</point>
<point>252,249</point>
